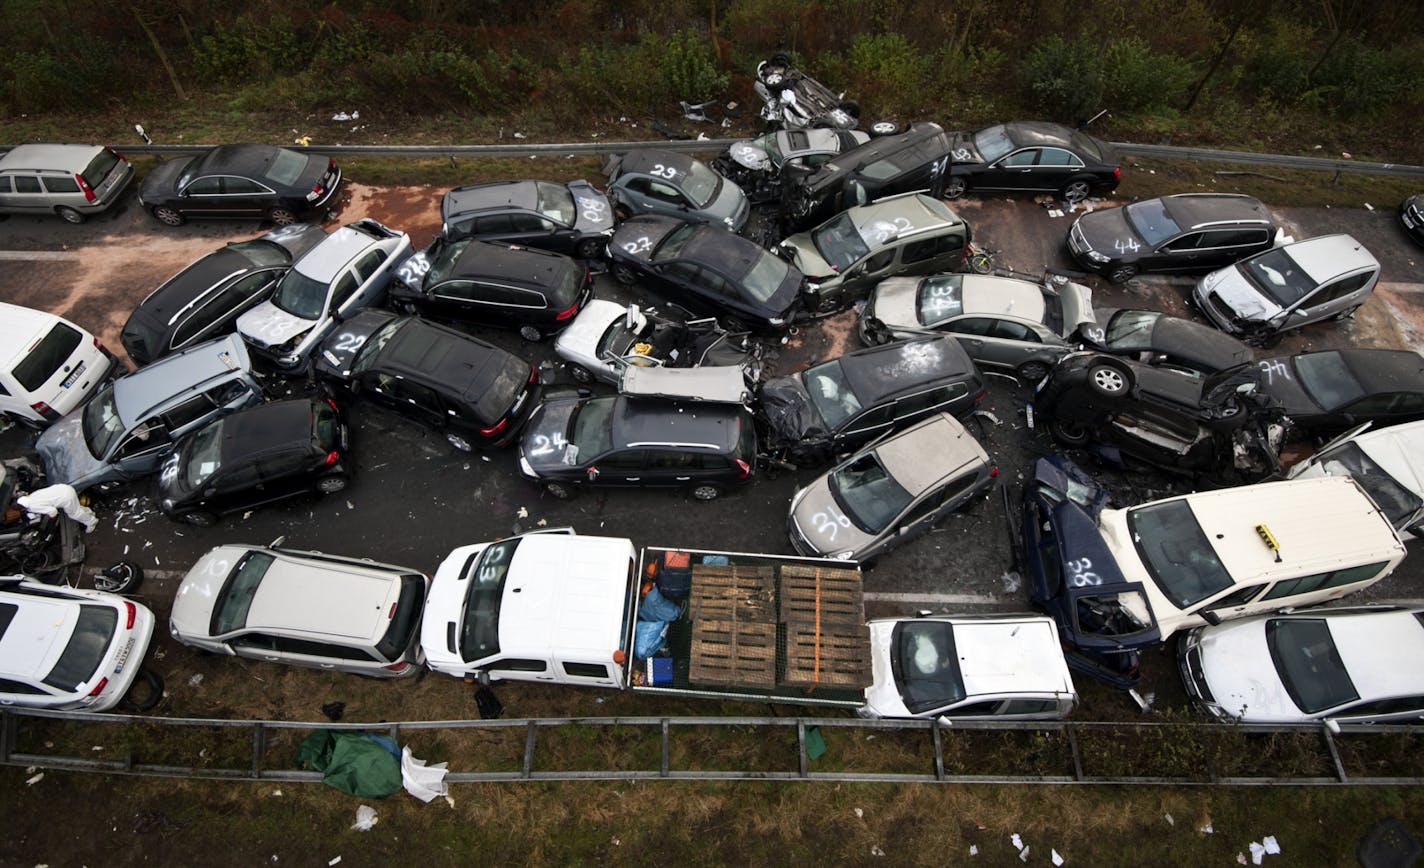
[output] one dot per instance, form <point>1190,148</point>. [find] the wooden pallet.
<point>733,593</point>
<point>731,654</point>
<point>841,597</point>
<point>844,656</point>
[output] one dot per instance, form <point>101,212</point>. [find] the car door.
<point>141,449</point>
<point>537,231</point>
<point>283,474</point>
<point>1234,604</point>
<point>218,314</point>
<point>1179,254</point>
<point>22,194</point>
<point>245,197</point>
<point>1055,166</point>
<point>672,468</point>
<point>1013,171</point>
<point>203,197</point>
<point>865,427</point>
<point>1222,247</point>
<point>371,280</point>
<point>461,299</point>
<point>1335,297</point>
<point>405,397</point>
<point>233,488</point>
<point>912,408</point>
<point>621,467</point>
<point>862,276</point>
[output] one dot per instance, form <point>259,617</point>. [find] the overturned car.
<point>791,99</point>
<point>758,165</point>
<point>607,338</point>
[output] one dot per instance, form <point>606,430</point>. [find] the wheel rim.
<point>331,485</point>
<point>624,275</point>
<point>529,333</point>
<point>168,216</point>
<point>580,374</point>
<point>955,188</point>
<point>1108,379</point>
<point>71,215</point>
<point>884,128</point>
<point>1070,433</point>
<point>557,490</point>
<point>706,492</point>
<point>1124,274</point>
<point>1076,191</point>
<point>283,217</point>
<point>459,442</point>
<point>1033,372</point>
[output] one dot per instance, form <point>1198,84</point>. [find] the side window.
<point>510,664</point>
<point>288,645</point>
<point>974,325</point>
<point>1183,243</point>
<point>1014,331</point>
<point>922,509</point>
<point>233,390</point>
<point>60,184</point>
<point>977,709</point>
<point>949,244</point>
<point>1239,597</point>
<point>345,288</point>
<point>628,459</point>
<point>204,187</point>
<point>25,184</point>
<point>1233,238</point>
<point>683,272</point>
<point>492,224</point>
<point>586,670</point>
<point>513,296</point>
<point>413,393</point>
<point>1398,705</point>
<point>958,487</point>
<point>715,283</point>
<point>4,184</point>
<point>461,290</point>
<point>934,399</point>
<point>1351,575</point>
<point>659,190</point>
<point>1029,706</point>
<point>638,185</point>
<point>671,459</point>
<point>1059,157</point>
<point>146,437</point>
<point>242,187</point>
<point>282,465</point>
<point>370,263</point>
<point>239,478</point>
<point>1341,288</point>
<point>529,223</point>
<point>880,261</point>
<point>872,418</point>
<point>255,641</point>
<point>188,412</point>
<point>20,687</point>
<point>1020,159</point>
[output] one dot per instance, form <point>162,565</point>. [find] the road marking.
<point>38,255</point>
<point>936,599</point>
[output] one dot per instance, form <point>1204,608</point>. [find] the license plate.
<point>123,657</point>
<point>73,376</point>
<point>519,403</point>
<point>1028,414</point>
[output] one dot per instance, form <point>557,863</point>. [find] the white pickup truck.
<point>556,607</point>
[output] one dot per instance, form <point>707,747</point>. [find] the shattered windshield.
<point>867,494</point>
<point>556,203</point>
<point>829,391</point>
<point>1278,276</point>
<point>925,665</point>
<point>992,143</point>
<point>939,298</point>
<point>1398,503</point>
<point>839,243</point>
<point>1131,329</point>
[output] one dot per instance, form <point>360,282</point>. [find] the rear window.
<point>287,167</point>
<point>99,168</point>
<point>93,633</point>
<point>1310,667</point>
<point>503,390</point>
<point>53,350</point>
<point>327,427</point>
<point>404,618</point>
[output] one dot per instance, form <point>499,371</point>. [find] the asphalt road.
<point>414,498</point>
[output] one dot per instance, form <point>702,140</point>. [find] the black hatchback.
<point>256,456</point>
<point>574,218</point>
<point>535,291</point>
<point>259,182</point>
<point>474,393</point>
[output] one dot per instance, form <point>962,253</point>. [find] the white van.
<point>48,365</point>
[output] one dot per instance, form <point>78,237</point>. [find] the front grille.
<point>1076,240</point>
<point>1196,679</point>
<point>1220,308</point>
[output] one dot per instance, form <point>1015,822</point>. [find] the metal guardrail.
<point>1173,152</point>
<point>1062,752</point>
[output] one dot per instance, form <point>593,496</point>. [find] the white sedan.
<point>606,339</point>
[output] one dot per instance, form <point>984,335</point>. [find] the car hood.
<point>338,351</point>
<point>894,303</point>
<point>1277,381</point>
<point>543,444</point>
<point>750,155</point>
<point>637,238</point>
<point>828,537</point>
<point>962,151</point>
<point>192,612</point>
<point>579,342</point>
<point>1239,673</point>
<point>444,605</point>
<point>162,180</point>
<point>730,207</point>
<point>1202,346</point>
<point>882,697</point>
<point>1107,231</point>
<point>807,258</point>
<point>594,213</point>
<point>789,412</point>
<point>268,325</point>
<point>66,455</point>
<point>1236,292</point>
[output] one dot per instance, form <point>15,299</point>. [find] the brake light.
<point>130,615</point>
<point>84,188</point>
<point>979,398</point>
<point>743,469</point>
<point>993,472</point>
<point>331,458</point>
<point>392,613</point>
<point>99,688</point>
<point>1117,173</point>
<point>99,345</point>
<point>565,314</point>
<point>44,410</point>
<point>316,191</point>
<point>332,404</point>
<point>533,375</point>
<point>495,428</point>
<point>397,667</point>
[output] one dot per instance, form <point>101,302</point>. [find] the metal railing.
<point>929,751</point>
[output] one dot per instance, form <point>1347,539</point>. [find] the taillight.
<point>44,410</point>
<point>316,191</point>
<point>130,615</point>
<point>565,314</point>
<point>979,398</point>
<point>331,458</point>
<point>392,613</point>
<point>533,375</point>
<point>99,688</point>
<point>332,404</point>
<point>743,469</point>
<point>84,187</point>
<point>495,428</point>
<point>397,667</point>
<point>1117,173</point>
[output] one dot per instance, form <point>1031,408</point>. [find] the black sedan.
<point>1411,217</point>
<point>574,218</point>
<point>204,300</point>
<point>254,457</point>
<point>1159,339</point>
<point>260,182</point>
<point>708,270</point>
<point>1326,392</point>
<point>1032,157</point>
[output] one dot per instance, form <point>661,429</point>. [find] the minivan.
<point>48,365</point>
<point>131,424</point>
<point>72,181</point>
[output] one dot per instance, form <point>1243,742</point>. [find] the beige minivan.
<point>72,181</point>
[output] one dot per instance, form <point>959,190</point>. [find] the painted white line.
<point>38,255</point>
<point>939,599</point>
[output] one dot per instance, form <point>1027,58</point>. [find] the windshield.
<point>262,253</point>
<point>1397,502</point>
<point>556,202</point>
<point>287,167</point>
<point>301,296</point>
<point>673,242</point>
<point>1326,379</point>
<point>992,143</point>
<point>926,666</point>
<point>766,277</point>
<point>701,184</point>
<point>445,261</point>
<point>235,598</point>
<point>93,633</point>
<point>590,430</point>
<point>1308,663</point>
<point>829,391</point>
<point>839,243</point>
<point>189,172</point>
<point>619,337</point>
<point>867,493</point>
<point>203,454</point>
<point>371,350</point>
<point>44,359</point>
<point>939,298</point>
<point>479,634</point>
<point>1151,221</point>
<point>1278,276</point>
<point>1131,329</point>
<point>769,144</point>
<point>1176,552</point>
<point>101,421</point>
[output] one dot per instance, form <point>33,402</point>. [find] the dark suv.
<point>475,393</point>
<point>916,160</point>
<point>1186,233</point>
<point>841,405</point>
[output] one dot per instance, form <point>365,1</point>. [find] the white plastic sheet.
<point>425,782</point>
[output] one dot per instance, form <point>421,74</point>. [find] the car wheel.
<point>459,443</point>
<point>590,248</point>
<point>1033,372</point>
<point>1068,433</point>
<point>199,518</point>
<point>1108,379</point>
<point>884,128</point>
<point>1347,313</point>
<point>168,216</point>
<point>956,187</point>
<point>580,374</point>
<point>559,490</point>
<point>531,334</point>
<point>282,216</point>
<point>624,274</point>
<point>331,484</point>
<point>827,304</point>
<point>145,692</point>
<point>1075,191</point>
<point>1122,273</point>
<point>706,492</point>
<point>69,214</point>
<point>123,577</point>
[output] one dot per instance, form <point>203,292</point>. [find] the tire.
<point>590,248</point>
<point>168,216</point>
<point>706,492</point>
<point>1068,434</point>
<point>1108,379</point>
<point>884,128</point>
<point>459,443</point>
<point>123,577</point>
<point>624,274</point>
<point>199,518</point>
<point>531,334</point>
<point>559,490</point>
<point>955,187</point>
<point>1075,191</point>
<point>145,693</point>
<point>581,375</point>
<point>1032,372</point>
<point>780,58</point>
<point>69,214</point>
<point>282,216</point>
<point>1122,273</point>
<point>331,484</point>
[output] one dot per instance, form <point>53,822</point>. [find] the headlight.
<point>1095,256</point>
<point>525,467</point>
<point>844,556</point>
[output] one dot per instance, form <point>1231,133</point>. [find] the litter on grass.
<point>365,818</point>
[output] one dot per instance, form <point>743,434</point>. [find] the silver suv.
<point>72,181</point>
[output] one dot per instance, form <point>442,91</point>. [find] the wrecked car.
<point>1387,462</point>
<point>1156,338</point>
<point>757,165</point>
<point>606,339</point>
<point>1032,157</point>
<point>656,181</point>
<point>791,99</point>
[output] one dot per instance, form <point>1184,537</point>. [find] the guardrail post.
<point>7,735</point>
<point>529,740</point>
<point>1334,753</point>
<point>663,770</point>
<point>259,748</point>
<point>802,763</point>
<point>938,749</point>
<point>1072,734</point>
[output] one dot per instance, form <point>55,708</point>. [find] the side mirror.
<point>1210,617</point>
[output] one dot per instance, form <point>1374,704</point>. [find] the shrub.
<point>688,69</point>
<point>44,80</point>
<point>1065,79</point>
<point>886,70</point>
<point>1280,64</point>
<point>1136,79</point>
<point>250,50</point>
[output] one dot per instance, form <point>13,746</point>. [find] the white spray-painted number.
<point>829,522</point>
<point>1081,575</point>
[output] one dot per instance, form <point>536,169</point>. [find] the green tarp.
<point>358,763</point>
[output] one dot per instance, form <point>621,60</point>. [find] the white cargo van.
<point>48,365</point>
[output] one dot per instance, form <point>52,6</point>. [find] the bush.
<point>250,50</point>
<point>1065,79</point>
<point>688,69</point>
<point>886,71</point>
<point>1280,64</point>
<point>1136,79</point>
<point>1362,82</point>
<point>43,80</point>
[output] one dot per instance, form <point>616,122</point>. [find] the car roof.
<point>333,252</point>
<point>511,262</point>
<point>1038,133</point>
<point>918,145</point>
<point>907,214</point>
<point>326,598</point>
<point>1380,371</point>
<point>21,326</point>
<point>657,422</point>
<point>730,252</point>
<point>250,160</point>
<point>267,428</point>
<point>922,455</point>
<point>1194,209</point>
<point>498,194</point>
<point>565,590</point>
<point>1006,296</point>
<point>460,363</point>
<point>1328,256</point>
<point>642,160</point>
<point>190,284</point>
<point>49,157</point>
<point>880,372</point>
<point>138,392</point>
<point>1010,655</point>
